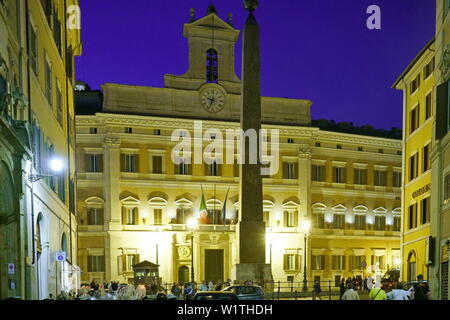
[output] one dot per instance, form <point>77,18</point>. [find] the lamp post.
<point>56,166</point>
<point>192,225</point>
<point>306,226</point>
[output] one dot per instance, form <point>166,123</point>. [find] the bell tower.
<point>211,54</point>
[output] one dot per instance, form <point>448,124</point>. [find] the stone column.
<point>251,229</point>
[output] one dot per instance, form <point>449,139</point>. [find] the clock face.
<point>212,100</point>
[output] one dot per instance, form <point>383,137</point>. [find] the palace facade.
<point>134,203</point>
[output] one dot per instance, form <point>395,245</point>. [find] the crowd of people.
<point>393,291</point>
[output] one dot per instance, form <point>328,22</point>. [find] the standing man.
<point>421,289</point>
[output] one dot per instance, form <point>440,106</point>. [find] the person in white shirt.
<point>370,283</point>
<point>350,294</point>
<point>399,293</point>
<point>203,286</point>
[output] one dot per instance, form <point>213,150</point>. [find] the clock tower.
<point>211,60</point>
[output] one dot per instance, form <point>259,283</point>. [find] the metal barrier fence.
<point>297,290</point>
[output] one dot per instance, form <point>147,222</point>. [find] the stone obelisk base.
<point>259,273</point>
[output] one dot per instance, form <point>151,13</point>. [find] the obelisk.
<point>251,229</point>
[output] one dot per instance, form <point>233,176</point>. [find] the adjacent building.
<point>134,202</point>
<point>38,42</point>
<point>417,84</point>
<point>440,158</point>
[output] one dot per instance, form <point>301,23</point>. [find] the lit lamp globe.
<point>192,223</point>
<point>56,165</point>
<point>251,5</point>
<point>306,225</point>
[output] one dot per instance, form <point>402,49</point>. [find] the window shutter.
<point>314,174</point>
<point>122,163</point>
<point>372,260</point>
<point>286,218</point>
<point>285,170</point>
<point>286,262</point>
<point>100,162</point>
<point>124,215</point>
<point>136,215</point>
<point>296,171</point>
<point>136,163</point>
<point>89,264</point>
<point>299,262</point>
<point>442,111</point>
<point>100,216</point>
<point>296,219</point>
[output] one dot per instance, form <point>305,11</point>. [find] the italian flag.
<point>203,210</point>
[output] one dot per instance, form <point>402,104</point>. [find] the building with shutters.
<point>38,40</point>
<point>440,159</point>
<point>417,83</point>
<point>134,202</point>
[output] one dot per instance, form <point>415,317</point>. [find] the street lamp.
<point>192,225</point>
<point>306,226</point>
<point>56,165</point>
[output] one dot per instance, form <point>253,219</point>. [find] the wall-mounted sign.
<point>421,191</point>
<point>11,268</point>
<point>60,256</point>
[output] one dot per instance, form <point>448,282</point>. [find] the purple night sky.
<point>311,49</point>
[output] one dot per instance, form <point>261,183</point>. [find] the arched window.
<point>212,66</point>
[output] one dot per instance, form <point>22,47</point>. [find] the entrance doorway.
<point>214,265</point>
<point>183,274</point>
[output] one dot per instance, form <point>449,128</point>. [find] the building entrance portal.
<point>183,274</point>
<point>214,265</point>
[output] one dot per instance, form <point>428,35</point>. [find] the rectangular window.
<point>447,188</point>
<point>290,140</point>
<point>360,222</point>
<point>48,83</point>
<point>183,169</point>
<point>213,169</point>
<point>34,61</point>
<point>319,220</point>
<point>412,221</point>
<point>425,208</point>
<point>290,170</point>
<point>426,165</point>
<point>339,221</point>
<point>95,217</point>
<point>338,262</point>
<point>397,183</point>
<point>380,223</point>
<point>290,219</point>
<point>339,146</point>
<point>59,107</point>
<point>291,262</point>
<point>380,178</point>
<point>96,264</point>
<point>130,216</point>
<point>157,216</point>
<point>415,84</point>
<point>413,166</point>
<point>128,130</point>
<point>360,176</point>
<point>357,262</point>
<point>360,149</point>
<point>379,262</point>
<point>94,163</point>
<point>339,174</point>
<point>157,162</point>
<point>318,262</point>
<point>428,70</point>
<point>130,163</point>
<point>57,30</point>
<point>93,130</point>
<point>131,260</point>
<point>318,173</point>
<point>397,223</point>
<point>157,132</point>
<point>428,106</point>
<point>318,144</point>
<point>414,119</point>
